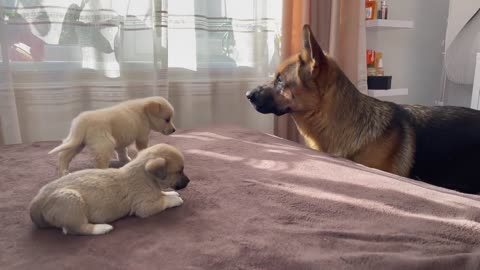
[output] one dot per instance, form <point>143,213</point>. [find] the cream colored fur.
<point>84,202</point>
<point>113,129</point>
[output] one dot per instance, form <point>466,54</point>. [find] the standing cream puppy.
<point>113,129</point>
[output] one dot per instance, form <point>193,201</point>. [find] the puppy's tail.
<point>74,139</point>
<point>67,144</point>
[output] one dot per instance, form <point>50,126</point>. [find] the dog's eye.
<point>278,79</point>
<point>279,83</point>
<point>168,120</point>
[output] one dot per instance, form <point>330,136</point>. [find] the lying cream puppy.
<point>84,202</point>
<point>113,129</point>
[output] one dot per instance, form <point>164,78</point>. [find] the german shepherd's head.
<point>300,82</point>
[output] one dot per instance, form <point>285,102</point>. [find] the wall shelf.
<point>389,24</point>
<point>388,93</point>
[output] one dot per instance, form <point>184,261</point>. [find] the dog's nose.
<point>181,186</point>
<point>251,95</point>
<point>183,183</point>
<point>173,130</point>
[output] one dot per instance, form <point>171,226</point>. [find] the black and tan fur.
<point>439,145</point>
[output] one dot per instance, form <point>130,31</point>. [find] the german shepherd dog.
<point>437,145</point>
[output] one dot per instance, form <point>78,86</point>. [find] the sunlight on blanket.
<point>208,136</point>
<point>214,155</point>
<point>211,135</point>
<point>265,164</point>
<point>194,137</point>
<point>464,224</point>
<point>280,152</point>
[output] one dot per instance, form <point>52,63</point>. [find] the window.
<point>190,35</point>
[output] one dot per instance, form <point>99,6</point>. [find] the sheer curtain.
<point>61,57</point>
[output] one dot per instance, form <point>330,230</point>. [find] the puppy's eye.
<point>167,120</point>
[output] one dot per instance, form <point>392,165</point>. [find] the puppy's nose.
<point>173,130</point>
<point>183,183</point>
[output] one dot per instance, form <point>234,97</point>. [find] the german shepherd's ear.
<point>157,167</point>
<point>311,50</point>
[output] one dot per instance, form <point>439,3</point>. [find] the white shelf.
<point>388,24</point>
<point>388,93</point>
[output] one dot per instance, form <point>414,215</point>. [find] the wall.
<point>458,94</point>
<point>414,56</point>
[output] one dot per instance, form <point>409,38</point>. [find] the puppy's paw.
<point>173,201</point>
<point>170,193</point>
<point>101,229</point>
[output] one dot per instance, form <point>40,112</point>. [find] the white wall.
<point>414,56</point>
<point>458,94</point>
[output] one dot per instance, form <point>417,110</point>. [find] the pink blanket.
<point>255,202</point>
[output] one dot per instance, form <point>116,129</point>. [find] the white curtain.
<point>62,57</point>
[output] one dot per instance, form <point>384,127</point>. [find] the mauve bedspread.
<point>255,202</point>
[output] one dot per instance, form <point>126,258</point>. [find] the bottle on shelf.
<point>371,8</point>
<point>383,10</point>
<point>379,71</point>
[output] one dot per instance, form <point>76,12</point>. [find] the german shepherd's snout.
<point>263,100</point>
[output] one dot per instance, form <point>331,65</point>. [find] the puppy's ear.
<point>311,50</point>
<point>152,108</point>
<point>157,167</point>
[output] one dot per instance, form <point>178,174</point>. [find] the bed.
<point>255,202</point>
